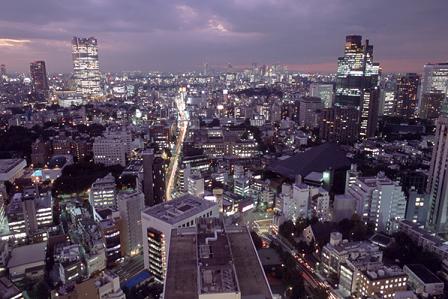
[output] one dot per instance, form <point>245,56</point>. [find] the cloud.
<point>13,43</point>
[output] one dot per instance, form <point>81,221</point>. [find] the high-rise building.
<point>110,231</point>
<point>430,105</point>
<point>2,72</point>
<point>324,91</point>
<point>309,110</point>
<point>39,76</point>
<point>339,124</point>
<point>154,170</point>
<point>86,70</point>
<point>435,78</point>
<point>159,220</point>
<point>407,100</point>
<point>357,83</point>
<point>214,261</point>
<point>130,206</point>
<point>379,200</point>
<point>434,89</point>
<point>438,178</point>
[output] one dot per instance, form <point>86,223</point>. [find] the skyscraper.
<point>434,89</point>
<point>407,100</point>
<point>435,78</point>
<point>323,91</point>
<point>357,83</point>
<point>339,124</point>
<point>2,72</point>
<point>86,71</point>
<point>154,168</point>
<point>438,178</point>
<point>39,76</point>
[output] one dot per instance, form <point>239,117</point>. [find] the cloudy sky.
<point>172,35</point>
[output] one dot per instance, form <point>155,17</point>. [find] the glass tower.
<point>86,71</point>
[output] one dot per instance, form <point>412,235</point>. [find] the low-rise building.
<point>382,282</point>
<point>422,281</point>
<point>27,262</point>
<point>337,251</point>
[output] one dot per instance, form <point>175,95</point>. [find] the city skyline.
<point>180,36</point>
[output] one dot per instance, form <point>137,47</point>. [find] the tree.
<point>286,229</point>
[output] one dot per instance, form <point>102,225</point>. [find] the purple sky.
<point>171,35</point>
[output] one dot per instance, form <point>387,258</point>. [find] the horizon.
<point>181,36</point>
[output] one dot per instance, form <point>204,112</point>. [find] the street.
<point>172,168</point>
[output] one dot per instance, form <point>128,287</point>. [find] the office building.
<point>381,282</point>
<point>435,78</point>
<point>29,212</point>
<point>434,89</point>
<point>3,73</point>
<point>407,95</point>
<point>323,91</point>
<point>109,151</point>
<point>195,185</point>
<point>110,231</point>
<point>102,193</point>
<point>379,200</point>
<point>388,101</point>
<point>339,124</point>
<point>130,206</point>
<point>160,219</point>
<point>214,261</point>
<point>357,83</point>
<point>437,180</point>
<point>39,77</point>
<point>430,105</point>
<point>86,70</point>
<point>154,171</point>
<point>417,207</point>
<point>309,111</point>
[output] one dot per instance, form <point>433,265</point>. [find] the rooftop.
<point>28,254</point>
<point>6,165</point>
<point>7,289</point>
<point>218,259</point>
<point>316,159</point>
<point>178,209</point>
<point>423,273</point>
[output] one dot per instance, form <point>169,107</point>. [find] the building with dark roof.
<point>422,281</point>
<point>328,158</point>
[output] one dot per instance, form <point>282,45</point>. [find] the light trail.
<point>183,125</point>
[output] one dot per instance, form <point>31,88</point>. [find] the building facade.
<point>86,70</point>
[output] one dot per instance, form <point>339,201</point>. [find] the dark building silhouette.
<point>339,124</point>
<point>406,96</point>
<point>154,167</point>
<point>39,76</point>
